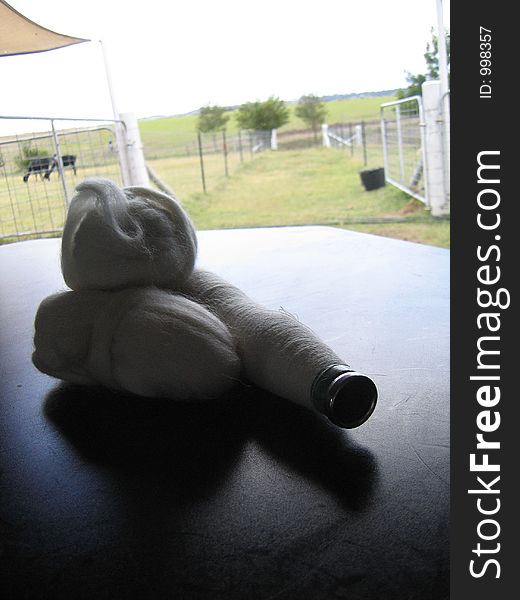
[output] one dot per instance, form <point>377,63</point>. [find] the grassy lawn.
<point>311,186</point>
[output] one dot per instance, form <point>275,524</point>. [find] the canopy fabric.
<point>20,35</point>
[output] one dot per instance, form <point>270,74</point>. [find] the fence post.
<point>136,164</point>
<point>274,139</point>
<point>437,184</point>
<point>201,163</point>
<point>358,136</point>
<point>325,134</point>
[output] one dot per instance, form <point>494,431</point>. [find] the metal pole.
<point>201,163</point>
<point>399,140</point>
<point>108,75</point>
<point>383,136</point>
<point>351,138</point>
<point>120,134</point>
<point>424,148</point>
<point>224,148</point>
<point>60,164</point>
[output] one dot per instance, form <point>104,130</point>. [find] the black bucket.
<point>372,179</point>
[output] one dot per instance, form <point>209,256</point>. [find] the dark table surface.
<point>111,496</point>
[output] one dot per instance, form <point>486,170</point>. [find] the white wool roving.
<point>117,238</point>
<point>156,343</point>
<point>144,340</point>
<point>283,356</point>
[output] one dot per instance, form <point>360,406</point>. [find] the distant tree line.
<point>260,116</point>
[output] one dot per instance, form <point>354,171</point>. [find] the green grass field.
<point>310,186</point>
<point>179,131</point>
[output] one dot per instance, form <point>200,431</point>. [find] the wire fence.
<point>203,163</point>
<point>360,140</point>
<point>40,168</point>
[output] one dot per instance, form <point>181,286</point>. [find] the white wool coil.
<point>117,238</point>
<point>146,341</point>
<point>283,356</point>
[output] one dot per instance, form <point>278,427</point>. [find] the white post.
<point>122,153</point>
<point>274,140</point>
<point>325,134</point>
<point>437,184</point>
<point>138,175</point>
<point>358,135</point>
<point>120,136</point>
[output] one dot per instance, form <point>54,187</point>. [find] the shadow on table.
<point>189,447</point>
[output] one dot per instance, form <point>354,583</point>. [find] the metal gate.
<point>41,162</point>
<point>404,149</point>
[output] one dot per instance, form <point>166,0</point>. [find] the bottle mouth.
<point>346,397</point>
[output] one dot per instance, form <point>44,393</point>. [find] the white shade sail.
<point>20,35</point>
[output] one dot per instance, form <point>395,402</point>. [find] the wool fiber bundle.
<point>283,356</point>
<point>117,238</point>
<point>156,343</point>
<point>146,341</point>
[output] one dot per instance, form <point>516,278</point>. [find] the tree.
<point>311,111</point>
<point>414,86</point>
<point>212,118</point>
<point>262,116</point>
<point>431,56</point>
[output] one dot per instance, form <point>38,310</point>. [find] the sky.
<point>169,57</point>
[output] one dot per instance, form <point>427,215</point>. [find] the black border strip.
<point>487,125</point>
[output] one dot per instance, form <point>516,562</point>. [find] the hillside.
<point>181,129</point>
